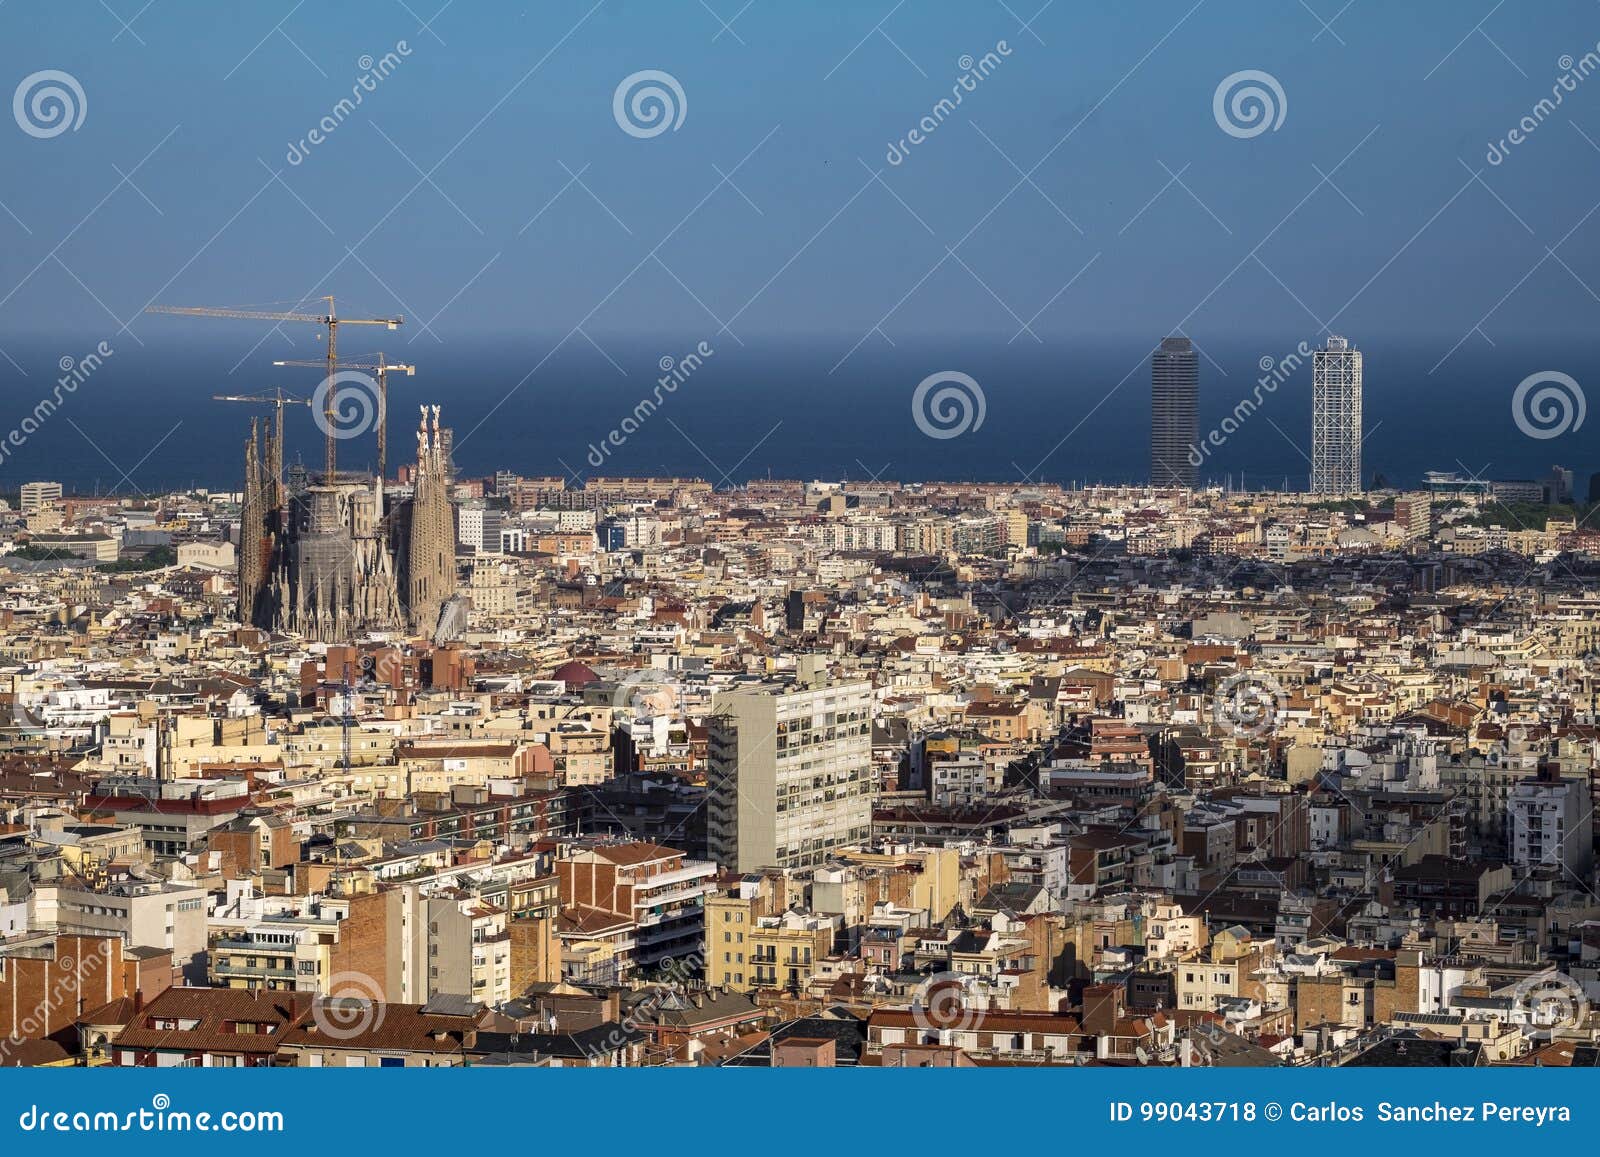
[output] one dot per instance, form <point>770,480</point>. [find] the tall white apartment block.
<point>1549,823</point>
<point>789,767</point>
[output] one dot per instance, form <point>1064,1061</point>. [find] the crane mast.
<point>277,400</point>
<point>381,369</point>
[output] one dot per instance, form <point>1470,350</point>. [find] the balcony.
<point>222,971</point>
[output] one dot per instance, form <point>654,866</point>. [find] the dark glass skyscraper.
<point>1174,413</point>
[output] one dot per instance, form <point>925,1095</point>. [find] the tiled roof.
<point>216,1010</point>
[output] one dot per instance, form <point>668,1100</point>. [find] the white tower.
<point>1336,419</point>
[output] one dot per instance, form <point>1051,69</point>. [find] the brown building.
<point>1370,988</point>
<point>252,842</point>
<point>46,989</point>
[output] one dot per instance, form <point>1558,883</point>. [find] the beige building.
<point>748,949</point>
<point>37,494</point>
<point>790,772</point>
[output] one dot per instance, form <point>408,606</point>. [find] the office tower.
<point>1336,419</point>
<point>790,772</point>
<point>1174,412</point>
<point>39,494</point>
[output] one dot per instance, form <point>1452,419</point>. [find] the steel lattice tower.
<point>1336,419</point>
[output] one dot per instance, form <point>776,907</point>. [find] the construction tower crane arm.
<point>332,321</point>
<point>277,400</point>
<point>256,314</point>
<point>401,367</point>
<point>265,399</point>
<point>264,315</point>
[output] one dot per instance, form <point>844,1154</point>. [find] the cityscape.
<point>373,747</point>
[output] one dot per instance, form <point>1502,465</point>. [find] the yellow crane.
<point>331,320</point>
<point>381,369</point>
<point>278,400</point>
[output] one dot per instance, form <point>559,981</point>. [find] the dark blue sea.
<point>790,407</point>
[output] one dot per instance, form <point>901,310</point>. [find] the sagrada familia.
<point>335,558</point>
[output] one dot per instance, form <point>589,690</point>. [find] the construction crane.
<point>278,400</point>
<point>381,369</point>
<point>331,320</point>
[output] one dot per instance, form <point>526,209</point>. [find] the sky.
<point>1087,188</point>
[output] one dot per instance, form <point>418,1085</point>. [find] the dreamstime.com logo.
<point>64,993</point>
<point>357,404</point>
<point>950,1002</point>
<point>948,404</point>
<point>1550,1000</point>
<point>1274,372</point>
<point>668,987</point>
<point>159,1117</point>
<point>674,373</point>
<point>973,72</point>
<point>74,372</point>
<point>48,103</point>
<point>648,103</point>
<point>373,73</point>
<point>1248,703</point>
<point>1548,404</point>
<point>1198,1050</point>
<point>353,1008</point>
<point>1248,103</point>
<point>1573,73</point>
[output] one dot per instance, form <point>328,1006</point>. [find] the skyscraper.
<point>1174,412</point>
<point>1336,419</point>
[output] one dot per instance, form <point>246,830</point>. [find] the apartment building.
<point>37,494</point>
<point>660,890</point>
<point>790,774</point>
<point>148,914</point>
<point>1550,822</point>
<point>750,947</point>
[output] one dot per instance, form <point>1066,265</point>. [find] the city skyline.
<point>633,536</point>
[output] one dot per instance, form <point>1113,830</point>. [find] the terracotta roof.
<point>32,1053</point>
<point>216,1010</point>
<point>989,1021</point>
<point>119,1011</point>
<point>627,854</point>
<point>582,921</point>
<point>575,674</point>
<point>385,1027</point>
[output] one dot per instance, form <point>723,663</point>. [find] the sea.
<point>818,406</point>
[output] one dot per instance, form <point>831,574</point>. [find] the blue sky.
<point>1084,199</point>
<point>510,102</point>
